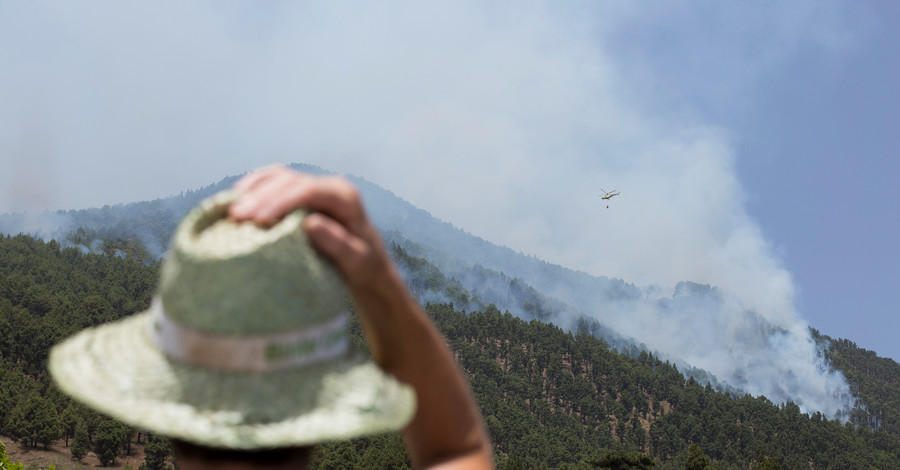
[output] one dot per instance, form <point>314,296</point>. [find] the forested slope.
<point>46,294</point>
<point>537,376</point>
<point>875,380</point>
<point>551,399</point>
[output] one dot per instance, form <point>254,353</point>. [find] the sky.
<point>752,143</point>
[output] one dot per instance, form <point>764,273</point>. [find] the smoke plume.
<point>506,119</point>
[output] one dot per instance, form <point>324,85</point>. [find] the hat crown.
<point>231,278</point>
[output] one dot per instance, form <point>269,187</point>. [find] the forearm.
<point>405,343</point>
<point>447,430</point>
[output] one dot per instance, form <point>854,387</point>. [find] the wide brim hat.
<point>246,346</point>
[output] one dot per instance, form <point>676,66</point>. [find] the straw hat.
<point>245,345</point>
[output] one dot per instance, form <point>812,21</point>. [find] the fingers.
<point>254,177</point>
<point>338,198</point>
<point>271,193</point>
<point>350,253</point>
<point>337,225</point>
<point>269,197</point>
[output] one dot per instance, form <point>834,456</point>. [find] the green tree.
<point>34,421</point>
<point>766,463</point>
<point>49,428</point>
<point>388,451</point>
<point>69,420</point>
<point>20,422</point>
<point>622,460</point>
<point>156,452</point>
<point>128,432</point>
<point>513,463</point>
<point>108,442</point>
<point>696,459</point>
<point>80,441</point>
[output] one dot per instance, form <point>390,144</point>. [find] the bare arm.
<point>447,431</point>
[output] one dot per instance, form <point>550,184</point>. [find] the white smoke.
<point>505,119</point>
<point>713,331</point>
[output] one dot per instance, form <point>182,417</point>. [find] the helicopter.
<point>608,194</point>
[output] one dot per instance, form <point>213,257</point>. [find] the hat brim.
<point>117,369</point>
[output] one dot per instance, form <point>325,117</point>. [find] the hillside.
<point>760,354</point>
<point>875,380</point>
<point>551,399</point>
<point>524,285</point>
<point>447,266</point>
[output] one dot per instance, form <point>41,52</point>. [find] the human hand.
<point>337,224</point>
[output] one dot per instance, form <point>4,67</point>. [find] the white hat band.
<point>259,353</point>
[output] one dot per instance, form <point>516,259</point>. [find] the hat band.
<point>258,353</point>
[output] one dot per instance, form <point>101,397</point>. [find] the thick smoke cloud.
<point>713,331</point>
<point>504,119</point>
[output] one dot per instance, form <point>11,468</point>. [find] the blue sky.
<point>822,169</point>
<point>751,144</point>
<point>817,154</point>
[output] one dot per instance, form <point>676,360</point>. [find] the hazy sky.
<point>752,143</point>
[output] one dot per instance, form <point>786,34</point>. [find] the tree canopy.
<point>551,398</point>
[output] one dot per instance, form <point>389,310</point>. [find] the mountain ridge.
<point>566,296</point>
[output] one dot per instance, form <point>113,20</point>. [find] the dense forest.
<point>550,398</point>
<point>875,380</point>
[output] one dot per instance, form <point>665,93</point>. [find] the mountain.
<point>494,274</point>
<point>709,335</point>
<point>144,226</point>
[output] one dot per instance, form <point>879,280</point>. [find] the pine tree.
<point>766,463</point>
<point>80,441</point>
<point>69,420</point>
<point>21,425</point>
<point>49,428</point>
<point>108,442</point>
<point>696,459</point>
<point>621,460</point>
<point>156,451</point>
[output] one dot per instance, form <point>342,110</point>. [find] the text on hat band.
<point>257,353</point>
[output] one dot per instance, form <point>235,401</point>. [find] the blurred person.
<point>243,358</point>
